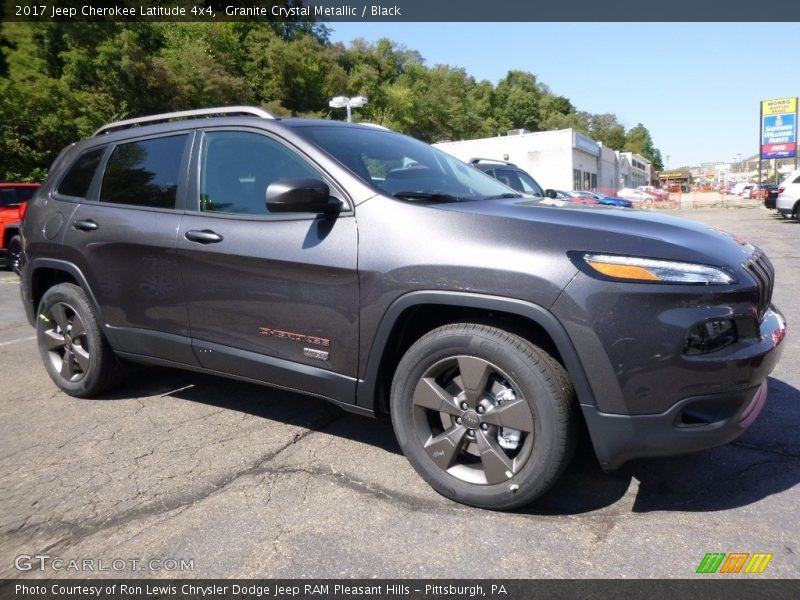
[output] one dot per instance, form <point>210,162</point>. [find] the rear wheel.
<point>484,416</point>
<point>74,351</point>
<point>14,251</point>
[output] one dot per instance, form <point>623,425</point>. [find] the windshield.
<point>403,167</point>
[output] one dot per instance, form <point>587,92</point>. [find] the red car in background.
<point>657,192</point>
<point>763,190</point>
<point>13,203</point>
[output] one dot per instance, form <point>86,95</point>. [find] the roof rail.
<point>475,161</point>
<point>253,111</point>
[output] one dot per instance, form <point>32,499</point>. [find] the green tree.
<point>638,140</point>
<point>605,128</point>
<point>59,81</point>
<point>518,96</point>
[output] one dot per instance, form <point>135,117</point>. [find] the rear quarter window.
<point>79,176</point>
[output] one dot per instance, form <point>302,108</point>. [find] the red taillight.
<point>780,190</point>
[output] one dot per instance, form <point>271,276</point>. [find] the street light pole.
<point>348,103</point>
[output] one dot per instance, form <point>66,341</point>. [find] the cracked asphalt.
<point>246,481</point>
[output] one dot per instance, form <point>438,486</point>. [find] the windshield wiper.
<point>426,196</point>
<point>504,195</point>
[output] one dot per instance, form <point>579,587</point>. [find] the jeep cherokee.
<point>364,267</point>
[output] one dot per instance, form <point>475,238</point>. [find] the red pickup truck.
<point>13,203</point>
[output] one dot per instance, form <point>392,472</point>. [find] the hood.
<point>614,231</point>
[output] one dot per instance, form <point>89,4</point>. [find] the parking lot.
<point>226,479</point>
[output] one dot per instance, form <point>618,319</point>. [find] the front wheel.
<point>484,416</point>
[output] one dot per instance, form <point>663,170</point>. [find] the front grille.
<point>762,271</point>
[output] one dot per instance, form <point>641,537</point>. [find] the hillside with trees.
<point>59,81</point>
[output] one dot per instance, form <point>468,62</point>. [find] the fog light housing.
<point>710,336</point>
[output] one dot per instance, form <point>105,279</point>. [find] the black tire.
<point>458,435</point>
<point>74,351</point>
<point>14,251</point>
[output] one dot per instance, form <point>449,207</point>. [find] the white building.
<point>635,170</point>
<point>563,159</point>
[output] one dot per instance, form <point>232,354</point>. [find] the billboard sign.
<point>779,128</point>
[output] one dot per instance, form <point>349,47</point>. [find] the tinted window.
<point>14,196</point>
<point>519,180</point>
<point>77,180</point>
<point>8,197</point>
<point>26,193</point>
<point>238,166</point>
<point>144,173</point>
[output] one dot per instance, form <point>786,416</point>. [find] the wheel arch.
<point>9,231</point>
<point>44,273</point>
<point>416,313</point>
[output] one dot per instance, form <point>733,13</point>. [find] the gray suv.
<point>364,267</point>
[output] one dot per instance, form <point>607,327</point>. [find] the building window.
<point>576,179</point>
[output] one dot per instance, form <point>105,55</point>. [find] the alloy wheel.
<point>65,340</point>
<point>472,420</point>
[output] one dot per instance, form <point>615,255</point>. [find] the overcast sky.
<point>695,86</point>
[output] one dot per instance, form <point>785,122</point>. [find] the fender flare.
<point>8,231</point>
<point>77,275</point>
<point>367,387</point>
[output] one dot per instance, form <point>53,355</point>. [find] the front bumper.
<point>693,423</point>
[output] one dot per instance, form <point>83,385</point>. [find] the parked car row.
<point>521,181</point>
<point>603,199</point>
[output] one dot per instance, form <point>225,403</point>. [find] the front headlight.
<point>633,268</point>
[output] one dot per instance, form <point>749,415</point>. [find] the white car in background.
<point>637,195</point>
<point>788,200</point>
<point>739,188</point>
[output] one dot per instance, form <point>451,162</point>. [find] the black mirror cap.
<point>550,193</point>
<point>301,195</point>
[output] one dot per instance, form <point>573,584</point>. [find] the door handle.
<point>85,225</point>
<point>203,236</point>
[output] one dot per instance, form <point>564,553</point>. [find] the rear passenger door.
<point>123,238</point>
<point>271,296</point>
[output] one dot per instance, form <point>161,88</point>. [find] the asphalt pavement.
<point>177,474</point>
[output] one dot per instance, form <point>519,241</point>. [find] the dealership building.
<point>563,159</point>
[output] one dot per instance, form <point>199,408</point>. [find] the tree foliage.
<point>59,81</point>
<point>638,140</point>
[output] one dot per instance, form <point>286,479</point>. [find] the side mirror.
<point>550,193</point>
<point>301,195</point>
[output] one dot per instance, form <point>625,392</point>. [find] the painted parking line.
<point>26,339</point>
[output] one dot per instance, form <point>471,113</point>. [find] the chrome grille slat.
<point>763,272</point>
